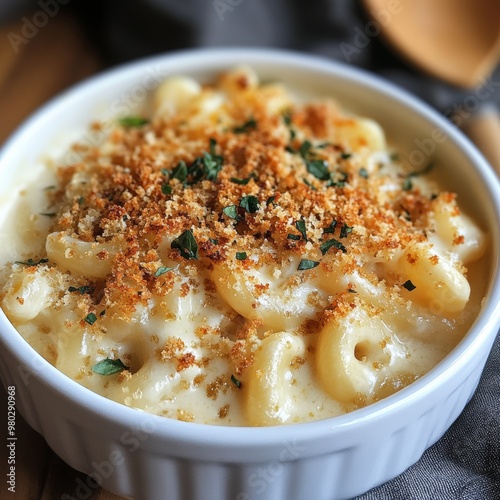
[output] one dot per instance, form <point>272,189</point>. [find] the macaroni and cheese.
<point>238,257</point>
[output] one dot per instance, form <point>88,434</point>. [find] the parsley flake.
<point>250,204</point>
<point>232,212</point>
<point>91,318</point>
<point>306,264</point>
<point>241,255</point>
<point>243,182</point>
<point>109,367</point>
<point>30,262</point>
<point>206,166</point>
<point>162,270</point>
<point>363,173</point>
<point>186,244</point>
<point>309,185</point>
<point>345,231</point>
<point>324,247</point>
<point>166,188</point>
<point>318,168</point>
<point>339,180</point>
<point>331,228</point>
<point>270,200</point>
<point>133,121</point>
<point>81,289</point>
<point>407,184</point>
<point>424,171</point>
<point>249,125</point>
<point>294,237</point>
<point>180,172</point>
<point>409,285</point>
<point>301,226</point>
<point>235,381</point>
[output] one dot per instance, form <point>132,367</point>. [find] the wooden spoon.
<point>457,41</point>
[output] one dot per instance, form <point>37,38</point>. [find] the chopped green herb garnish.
<point>309,185</point>
<point>394,156</point>
<point>351,290</point>
<point>243,182</point>
<point>249,125</point>
<point>212,161</point>
<point>212,165</point>
<point>162,270</point>
<point>81,289</point>
<point>424,171</point>
<point>180,172</point>
<point>407,184</point>
<point>301,226</point>
<point>306,264</point>
<point>409,285</point>
<point>235,381</point>
<point>345,156</point>
<point>133,121</point>
<point>318,168</point>
<point>30,262</point>
<point>102,313</point>
<point>241,255</point>
<point>213,241</point>
<point>339,180</point>
<point>294,237</point>
<point>345,231</point>
<point>109,367</point>
<point>206,166</point>
<point>91,318</point>
<point>48,214</point>
<point>324,247</point>
<point>166,188</point>
<point>270,200</point>
<point>331,228</point>
<point>363,173</point>
<point>305,149</point>
<point>80,200</point>
<point>250,203</point>
<point>231,211</point>
<point>287,117</point>
<point>186,244</point>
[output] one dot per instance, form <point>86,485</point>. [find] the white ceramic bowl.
<point>148,457</point>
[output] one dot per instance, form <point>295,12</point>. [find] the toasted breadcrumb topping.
<point>132,192</point>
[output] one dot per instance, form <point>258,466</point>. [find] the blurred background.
<point>445,51</point>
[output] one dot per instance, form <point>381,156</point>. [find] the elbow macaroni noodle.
<point>249,260</point>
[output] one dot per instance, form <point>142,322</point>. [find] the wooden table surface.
<point>31,71</point>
